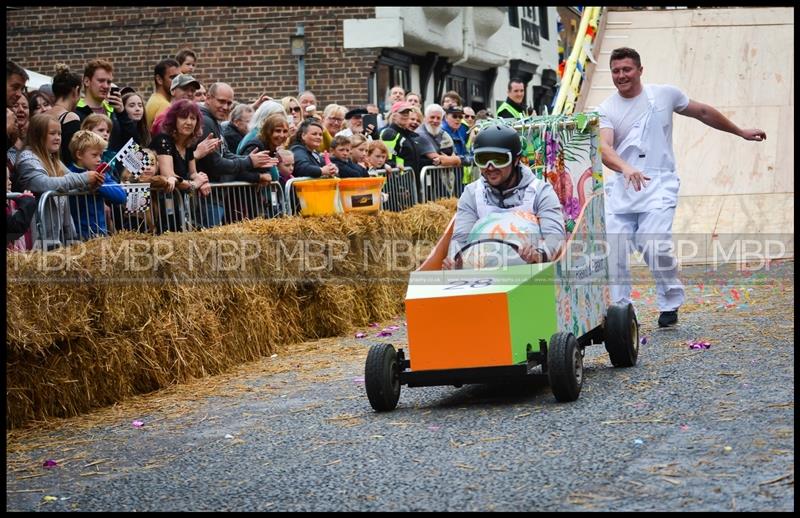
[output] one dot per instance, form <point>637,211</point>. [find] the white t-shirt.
<point>619,113</point>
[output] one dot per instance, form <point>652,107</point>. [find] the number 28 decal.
<point>477,283</point>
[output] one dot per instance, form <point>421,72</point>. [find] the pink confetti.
<point>50,464</point>
<point>137,424</point>
<point>374,324</point>
<point>644,340</point>
<point>385,333</point>
<point>434,428</point>
<point>699,345</point>
<point>684,427</point>
<point>361,335</point>
<point>358,380</point>
<point>393,328</point>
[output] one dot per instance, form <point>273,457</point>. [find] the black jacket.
<point>306,163</point>
<point>222,165</point>
<point>349,169</point>
<point>19,222</point>
<point>232,137</point>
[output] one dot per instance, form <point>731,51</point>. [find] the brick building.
<point>353,54</point>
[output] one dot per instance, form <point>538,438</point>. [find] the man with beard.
<point>435,138</point>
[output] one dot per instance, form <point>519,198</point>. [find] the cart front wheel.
<point>565,367</point>
<point>382,377</point>
<point>622,335</point>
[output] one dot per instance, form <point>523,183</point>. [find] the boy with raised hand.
<point>88,212</point>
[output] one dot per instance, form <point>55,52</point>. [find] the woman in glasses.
<point>506,185</point>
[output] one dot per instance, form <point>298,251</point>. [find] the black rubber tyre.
<point>622,335</point>
<point>565,367</point>
<point>382,377</point>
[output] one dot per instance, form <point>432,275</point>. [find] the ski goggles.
<point>498,159</point>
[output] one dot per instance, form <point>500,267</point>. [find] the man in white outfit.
<point>642,190</point>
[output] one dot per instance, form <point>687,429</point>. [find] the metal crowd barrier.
<point>441,182</point>
<point>291,201</point>
<point>400,187</point>
<point>234,201</point>
<point>151,210</point>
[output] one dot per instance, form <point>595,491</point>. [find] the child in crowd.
<point>134,107</point>
<point>19,214</point>
<point>88,212</point>
<point>137,213</point>
<point>285,165</point>
<point>358,150</point>
<point>102,125</point>
<point>340,149</point>
<point>377,153</point>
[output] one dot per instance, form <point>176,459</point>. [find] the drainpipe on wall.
<point>467,19</point>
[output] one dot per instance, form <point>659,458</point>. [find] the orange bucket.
<point>361,194</point>
<point>317,197</point>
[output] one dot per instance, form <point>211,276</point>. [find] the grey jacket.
<point>545,205</point>
<point>57,225</point>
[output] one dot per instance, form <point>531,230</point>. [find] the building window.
<point>513,16</point>
<point>544,28</point>
<point>471,85</point>
<point>392,69</point>
<point>530,27</point>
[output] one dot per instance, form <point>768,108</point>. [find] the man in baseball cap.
<point>183,87</point>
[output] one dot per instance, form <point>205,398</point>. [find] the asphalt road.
<point>690,430</point>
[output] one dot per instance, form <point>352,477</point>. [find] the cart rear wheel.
<point>382,377</point>
<point>565,367</point>
<point>622,335</point>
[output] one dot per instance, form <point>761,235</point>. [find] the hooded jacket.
<point>545,206</point>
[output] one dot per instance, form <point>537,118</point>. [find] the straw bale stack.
<point>133,313</point>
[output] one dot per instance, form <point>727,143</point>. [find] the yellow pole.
<point>583,58</point>
<point>569,69</point>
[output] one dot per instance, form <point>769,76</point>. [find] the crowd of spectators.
<point>63,136</point>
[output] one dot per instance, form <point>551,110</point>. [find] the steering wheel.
<point>458,260</point>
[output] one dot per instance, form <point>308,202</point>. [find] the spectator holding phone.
<point>101,97</point>
<point>354,124</point>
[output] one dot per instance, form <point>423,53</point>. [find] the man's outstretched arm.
<point>710,116</point>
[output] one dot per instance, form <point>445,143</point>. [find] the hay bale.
<point>187,309</point>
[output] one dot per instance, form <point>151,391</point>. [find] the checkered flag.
<point>133,158</point>
<point>138,198</point>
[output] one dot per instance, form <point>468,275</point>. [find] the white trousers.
<point>651,234</point>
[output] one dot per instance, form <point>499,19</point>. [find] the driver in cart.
<point>507,186</point>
